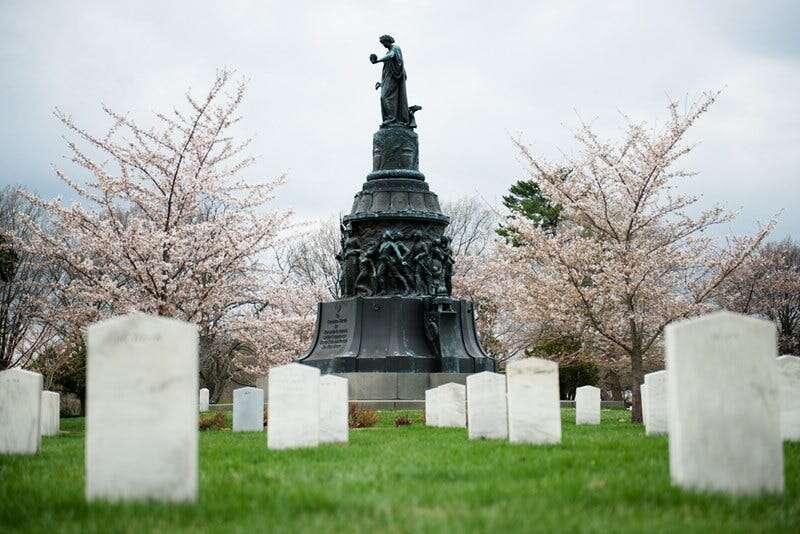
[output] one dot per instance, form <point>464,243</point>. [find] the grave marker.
<point>789,370</point>
<point>20,411</point>
<point>432,407</point>
<point>587,405</point>
<point>51,413</point>
<point>534,414</point>
<point>724,421</point>
<point>452,409</point>
<point>333,409</point>
<point>248,409</point>
<point>203,400</point>
<point>643,393</point>
<point>141,418</point>
<point>487,410</point>
<point>293,407</point>
<point>656,403</point>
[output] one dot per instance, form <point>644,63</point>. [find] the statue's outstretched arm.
<point>388,56</point>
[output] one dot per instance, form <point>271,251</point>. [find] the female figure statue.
<point>394,102</point>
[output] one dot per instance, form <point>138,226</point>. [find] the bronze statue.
<point>394,102</point>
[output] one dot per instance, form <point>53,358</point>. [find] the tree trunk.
<point>615,386</point>
<point>217,389</point>
<point>637,376</point>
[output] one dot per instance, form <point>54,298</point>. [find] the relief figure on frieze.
<point>436,277</point>
<point>392,264</point>
<point>446,253</point>
<point>420,259</point>
<point>351,254</point>
<point>438,268</point>
<point>366,281</point>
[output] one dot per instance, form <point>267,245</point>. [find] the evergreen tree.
<point>525,199</point>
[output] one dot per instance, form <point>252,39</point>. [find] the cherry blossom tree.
<point>167,225</point>
<point>480,275</point>
<point>310,257</point>
<point>768,284</point>
<point>24,286</point>
<point>486,281</point>
<point>472,226</point>
<point>630,255</point>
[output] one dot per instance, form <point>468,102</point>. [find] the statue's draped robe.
<point>394,102</point>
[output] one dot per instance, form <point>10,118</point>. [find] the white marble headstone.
<point>20,411</point>
<point>248,409</point>
<point>293,407</point>
<point>724,420</point>
<point>452,409</point>
<point>587,405</point>
<point>51,413</point>
<point>643,393</point>
<point>534,414</point>
<point>203,404</point>
<point>487,410</point>
<point>333,409</point>
<point>431,407</point>
<point>141,418</point>
<point>789,370</point>
<point>656,403</point>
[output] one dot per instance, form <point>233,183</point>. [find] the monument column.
<point>396,314</point>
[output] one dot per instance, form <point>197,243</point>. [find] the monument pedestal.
<point>388,391</point>
<point>396,390</point>
<point>397,335</point>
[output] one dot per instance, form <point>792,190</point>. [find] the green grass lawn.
<point>608,478</point>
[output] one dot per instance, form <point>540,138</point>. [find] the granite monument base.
<point>397,386</point>
<point>387,391</point>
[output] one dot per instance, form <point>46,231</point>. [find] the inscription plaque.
<point>336,328</point>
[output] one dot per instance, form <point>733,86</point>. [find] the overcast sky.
<point>483,71</point>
